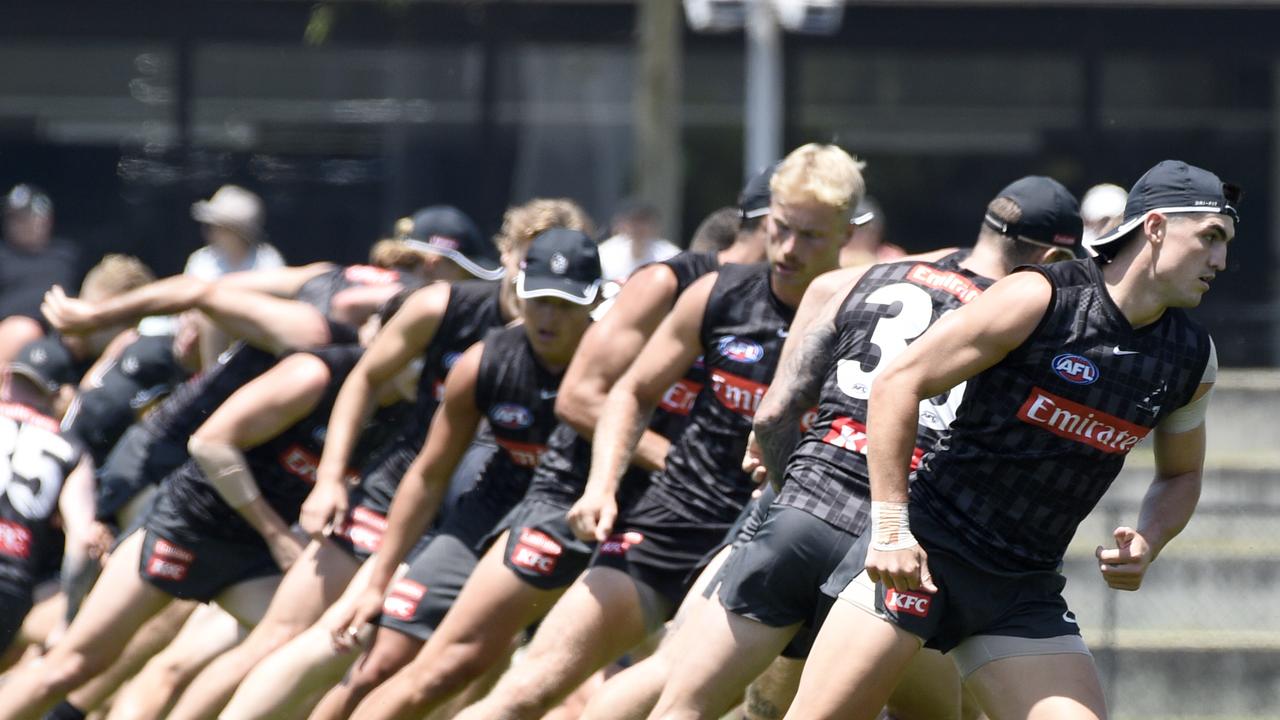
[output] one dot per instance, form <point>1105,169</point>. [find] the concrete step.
<point>1190,684</point>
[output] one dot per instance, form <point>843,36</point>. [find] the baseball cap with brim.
<point>234,208</point>
<point>561,263</point>
<point>1050,215</point>
<point>45,362</point>
<point>753,201</point>
<point>446,230</point>
<point>865,211</point>
<point>1172,187</point>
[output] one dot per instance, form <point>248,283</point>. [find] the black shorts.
<point>13,610</point>
<point>200,568</point>
<point>139,459</point>
<point>660,548</point>
<point>971,600</point>
<point>417,602</point>
<point>779,577</point>
<point>541,548</point>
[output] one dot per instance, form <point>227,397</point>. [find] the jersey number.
<point>31,467</point>
<point>891,336</point>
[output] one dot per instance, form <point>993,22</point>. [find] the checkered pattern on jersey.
<point>1041,435</point>
<point>561,475</point>
<point>827,474</point>
<point>743,329</point>
<point>472,311</point>
<point>517,395</point>
<point>178,415</point>
<point>28,502</point>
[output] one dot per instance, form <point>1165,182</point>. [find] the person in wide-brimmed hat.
<point>232,221</point>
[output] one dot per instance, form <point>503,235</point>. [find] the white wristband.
<point>225,469</point>
<point>890,527</point>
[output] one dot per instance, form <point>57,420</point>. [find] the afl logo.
<point>741,350</point>
<point>1076,369</point>
<point>511,416</point>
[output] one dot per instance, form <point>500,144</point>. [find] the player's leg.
<point>117,606</point>
<point>928,690</point>
<point>316,578</point>
<point>632,693</point>
<point>297,675</point>
<point>770,694</point>
<point>475,634</point>
<point>209,632</point>
<point>150,639</point>
<point>1040,687</point>
<point>391,650</point>
<point>855,663</point>
<point>600,617</point>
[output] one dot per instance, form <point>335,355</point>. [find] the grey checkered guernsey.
<point>743,329</point>
<point>1041,435</point>
<point>887,309</point>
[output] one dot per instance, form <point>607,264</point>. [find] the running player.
<point>35,460</point>
<point>737,319</point>
<point>537,556</point>
<point>785,577</point>
<point>219,528</point>
<point>1067,367</point>
<point>436,324</point>
<point>511,378</point>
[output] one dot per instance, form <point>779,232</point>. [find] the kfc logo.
<point>621,543</point>
<point>536,551</point>
<point>402,602</point>
<point>159,567</point>
<point>908,602</point>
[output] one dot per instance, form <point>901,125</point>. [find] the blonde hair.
<point>822,174</point>
<point>394,254</point>
<point>114,275</point>
<point>522,223</point>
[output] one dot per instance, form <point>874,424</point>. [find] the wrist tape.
<point>890,528</point>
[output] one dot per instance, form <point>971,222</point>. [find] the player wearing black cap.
<point>539,557</point>
<point>430,332</point>
<point>510,379</point>
<point>785,577</point>
<point>1066,368</point>
<point>737,318</point>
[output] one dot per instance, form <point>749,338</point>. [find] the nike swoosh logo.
<point>782,332</point>
<point>1067,616</point>
<point>548,394</point>
<point>1117,351</point>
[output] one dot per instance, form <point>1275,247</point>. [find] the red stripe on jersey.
<point>522,454</point>
<point>678,399</point>
<point>851,435</point>
<point>952,283</point>
<point>1080,423</point>
<point>737,393</point>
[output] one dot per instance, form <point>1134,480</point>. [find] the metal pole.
<point>657,109</point>
<point>763,107</point>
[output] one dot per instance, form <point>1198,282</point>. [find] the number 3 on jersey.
<point>891,336</point>
<point>31,467</point>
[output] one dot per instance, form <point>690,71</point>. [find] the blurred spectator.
<point>717,230</point>
<point>31,261</point>
<point>1102,209</point>
<point>232,222</point>
<point>635,242</point>
<point>867,245</point>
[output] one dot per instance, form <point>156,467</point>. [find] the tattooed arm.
<point>805,358</point>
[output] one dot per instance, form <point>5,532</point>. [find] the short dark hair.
<point>717,231</point>
<point>1016,252</point>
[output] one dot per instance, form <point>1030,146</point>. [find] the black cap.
<point>755,197</point>
<point>866,211</point>
<point>1050,214</point>
<point>561,263</point>
<point>47,363</point>
<point>1173,186</point>
<point>30,198</point>
<point>446,230</point>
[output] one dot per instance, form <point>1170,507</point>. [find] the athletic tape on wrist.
<point>890,527</point>
<point>225,469</point>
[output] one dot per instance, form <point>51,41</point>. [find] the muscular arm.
<point>284,282</point>
<point>162,297</point>
<point>665,358</point>
<point>254,414</point>
<point>607,350</point>
<point>425,483</point>
<point>405,337</point>
<point>805,357</point>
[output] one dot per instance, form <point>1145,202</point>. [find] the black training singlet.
<point>561,476</point>
<point>145,372</point>
<point>320,290</point>
<point>284,467</point>
<point>742,333</point>
<point>472,311</point>
<point>1041,435</point>
<point>518,397</point>
<point>34,461</point>
<point>194,401</point>
<point>889,307</point>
